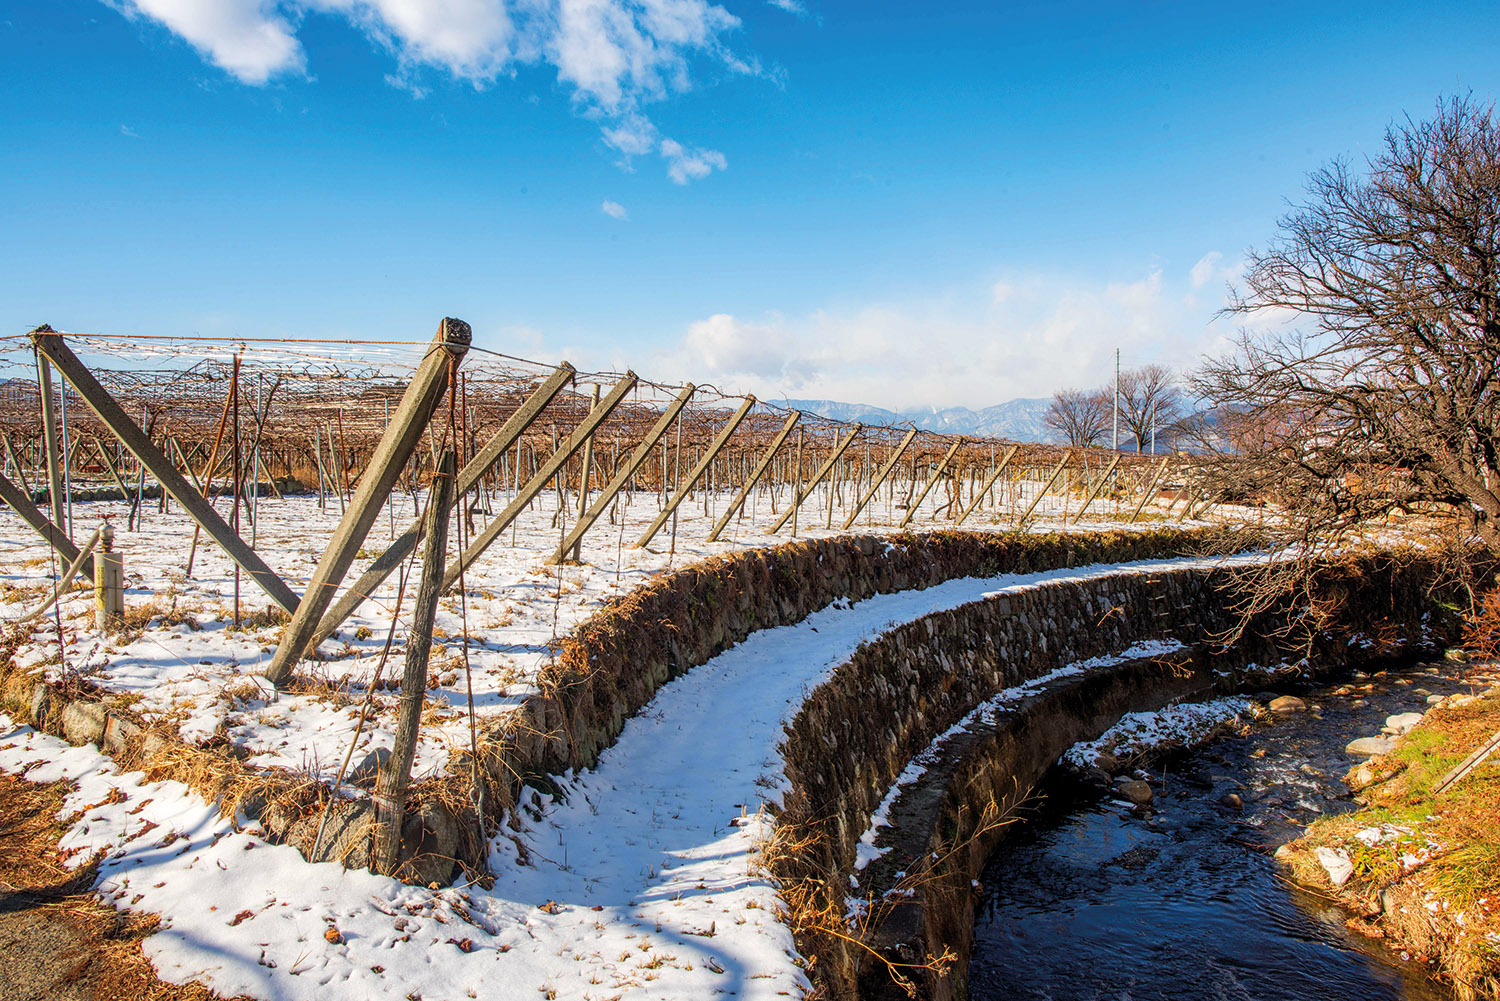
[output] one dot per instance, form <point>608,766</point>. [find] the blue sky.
<point>897,204</point>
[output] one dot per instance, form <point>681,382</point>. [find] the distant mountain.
<point>1018,420</point>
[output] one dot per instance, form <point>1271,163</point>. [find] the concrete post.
<point>109,583</point>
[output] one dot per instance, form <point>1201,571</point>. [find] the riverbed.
<point>1096,899</point>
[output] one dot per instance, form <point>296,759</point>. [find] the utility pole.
<point>1115,440</point>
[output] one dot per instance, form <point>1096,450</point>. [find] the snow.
<point>191,665</point>
<point>641,878</point>
<point>985,714</point>
<point>1138,732</point>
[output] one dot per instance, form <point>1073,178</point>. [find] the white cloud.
<point>248,39</point>
<point>1026,336</point>
<point>617,56</point>
<point>614,210</point>
<point>790,6</point>
<point>126,130</point>
<point>684,165</point>
<point>1203,271</point>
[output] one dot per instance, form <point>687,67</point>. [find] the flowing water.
<point>1095,901</point>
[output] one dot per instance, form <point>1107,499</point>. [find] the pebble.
<point>1232,801</point>
<point>1433,700</point>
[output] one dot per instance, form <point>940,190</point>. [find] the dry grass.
<point>60,943</point>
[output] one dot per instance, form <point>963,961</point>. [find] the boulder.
<point>83,722</point>
<point>1368,747</point>
<point>1288,704</point>
<point>1402,722</point>
<point>1137,792</point>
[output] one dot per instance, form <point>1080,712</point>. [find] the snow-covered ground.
<point>640,881</point>
<point>190,665</point>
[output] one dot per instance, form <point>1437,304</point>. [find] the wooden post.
<point>583,481</point>
<point>1150,491</point>
<point>390,788</point>
<point>681,490</point>
<point>538,481</point>
<point>931,482</point>
<point>1047,486</point>
<point>755,475</point>
<point>622,474</point>
<point>51,437</point>
<point>386,563</point>
<point>51,345</point>
<point>796,483</point>
<point>109,583</point>
<point>818,477</point>
<point>21,503</point>
<point>880,477</point>
<point>420,401</point>
<point>979,495</point>
<point>1104,478</point>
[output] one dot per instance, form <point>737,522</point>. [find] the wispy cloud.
<point>126,130</point>
<point>614,210</point>
<point>684,165</point>
<point>616,56</point>
<point>790,6</point>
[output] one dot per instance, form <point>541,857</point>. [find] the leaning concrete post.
<point>390,789</point>
<point>109,583</point>
<point>401,438</point>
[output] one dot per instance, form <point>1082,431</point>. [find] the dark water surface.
<point>1097,902</point>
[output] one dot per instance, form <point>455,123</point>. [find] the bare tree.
<point>1150,400</point>
<point>1387,399</point>
<point>1081,416</point>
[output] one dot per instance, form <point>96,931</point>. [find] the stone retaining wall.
<point>857,732</point>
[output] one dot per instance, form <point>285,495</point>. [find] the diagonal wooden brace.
<point>386,563</point>
<point>402,435</point>
<point>1045,487</point>
<point>692,478</point>
<point>537,483</point>
<point>132,437</point>
<point>1150,490</point>
<point>931,482</point>
<point>755,475</point>
<point>1097,487</point>
<point>979,494</point>
<point>817,477</point>
<point>880,477</point>
<point>33,516</point>
<point>624,473</point>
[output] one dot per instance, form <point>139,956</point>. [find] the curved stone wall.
<point>892,699</point>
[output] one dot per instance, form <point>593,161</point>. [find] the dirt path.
<point>58,942</point>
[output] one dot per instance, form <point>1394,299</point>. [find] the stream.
<point>1093,900</point>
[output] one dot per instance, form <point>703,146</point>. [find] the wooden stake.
<point>979,495</point>
<point>390,788</point>
<point>1047,486</point>
<point>623,474</point>
<point>812,484</point>
<point>1098,486</point>
<point>750,481</point>
<point>931,482</point>
<point>682,490</point>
